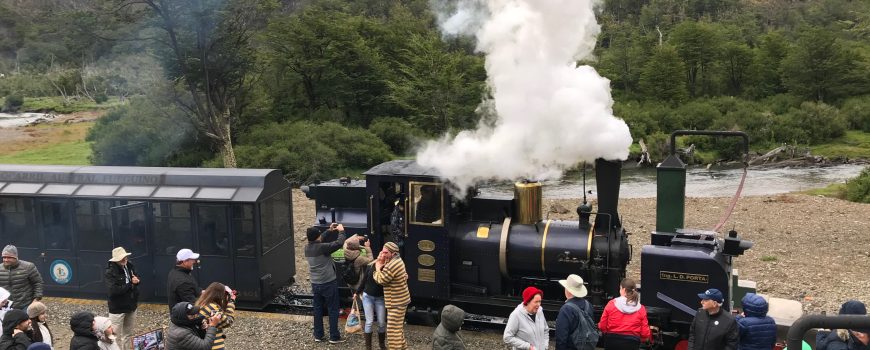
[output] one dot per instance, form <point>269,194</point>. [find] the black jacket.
<point>838,340</point>
<point>82,325</point>
<point>713,332</point>
<point>123,294</point>
<point>369,286</point>
<point>181,286</point>
<point>35,333</point>
<point>18,342</point>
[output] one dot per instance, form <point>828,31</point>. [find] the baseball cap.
<point>712,294</point>
<point>185,254</point>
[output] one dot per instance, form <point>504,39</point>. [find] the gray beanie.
<point>10,250</point>
<point>35,309</point>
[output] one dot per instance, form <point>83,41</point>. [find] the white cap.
<point>185,254</point>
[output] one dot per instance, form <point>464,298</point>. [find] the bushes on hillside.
<point>821,122</point>
<point>397,133</point>
<point>307,151</point>
<point>12,103</point>
<point>141,133</point>
<point>858,189</point>
<point>857,111</point>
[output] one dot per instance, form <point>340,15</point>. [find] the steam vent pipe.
<point>527,199</point>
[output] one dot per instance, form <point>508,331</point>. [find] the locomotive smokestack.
<point>607,179</point>
<point>527,202</point>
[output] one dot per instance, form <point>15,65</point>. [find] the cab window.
<point>426,204</point>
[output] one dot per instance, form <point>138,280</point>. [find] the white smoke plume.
<point>551,113</point>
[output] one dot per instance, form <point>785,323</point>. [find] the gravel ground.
<point>252,330</point>
<point>807,248</point>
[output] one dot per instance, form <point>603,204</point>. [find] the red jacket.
<point>620,318</point>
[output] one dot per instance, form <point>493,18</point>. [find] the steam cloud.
<point>551,114</point>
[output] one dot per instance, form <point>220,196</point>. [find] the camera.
<point>365,238</point>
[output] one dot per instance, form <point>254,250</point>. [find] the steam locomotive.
<point>480,251</point>
<point>476,251</point>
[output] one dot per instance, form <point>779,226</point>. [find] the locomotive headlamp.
<point>735,246</point>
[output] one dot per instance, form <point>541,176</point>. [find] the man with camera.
<point>321,268</point>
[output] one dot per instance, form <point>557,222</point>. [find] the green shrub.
<point>782,103</point>
<point>13,103</point>
<point>821,122</point>
<point>698,115</point>
<point>637,117</point>
<point>398,133</point>
<point>858,189</point>
<point>857,111</point>
<point>140,133</point>
<point>27,84</point>
<point>307,151</point>
<point>100,98</point>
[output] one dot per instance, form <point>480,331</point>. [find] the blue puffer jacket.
<point>757,330</point>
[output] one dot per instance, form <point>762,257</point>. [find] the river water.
<point>20,119</point>
<point>700,182</point>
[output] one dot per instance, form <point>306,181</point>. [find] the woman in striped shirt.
<point>218,299</point>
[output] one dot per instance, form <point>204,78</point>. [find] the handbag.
<point>353,324</point>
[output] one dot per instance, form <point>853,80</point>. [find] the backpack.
<point>350,275</point>
<point>586,335</point>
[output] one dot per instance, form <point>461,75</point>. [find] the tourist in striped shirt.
<point>390,273</point>
<point>218,299</point>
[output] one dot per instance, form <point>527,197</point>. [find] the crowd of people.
<point>199,318</point>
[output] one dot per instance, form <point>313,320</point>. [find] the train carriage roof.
<point>191,184</point>
<point>402,167</point>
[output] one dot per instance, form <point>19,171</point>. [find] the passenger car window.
<point>55,224</point>
<point>275,220</point>
<point>17,222</point>
<point>212,230</point>
<point>94,225</point>
<point>427,204</point>
<point>245,241</point>
<point>172,230</point>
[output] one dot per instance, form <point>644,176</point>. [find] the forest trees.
<point>207,50</point>
<point>793,72</point>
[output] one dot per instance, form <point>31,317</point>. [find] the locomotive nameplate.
<point>426,275</point>
<point>426,260</point>
<point>684,277</point>
<point>426,245</point>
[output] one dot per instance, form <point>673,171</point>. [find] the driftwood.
<point>785,152</point>
<point>644,153</point>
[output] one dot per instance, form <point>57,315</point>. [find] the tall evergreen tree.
<point>818,67</point>
<point>697,45</point>
<point>662,77</point>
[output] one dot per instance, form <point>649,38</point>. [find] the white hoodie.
<point>521,332</point>
<point>623,306</point>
